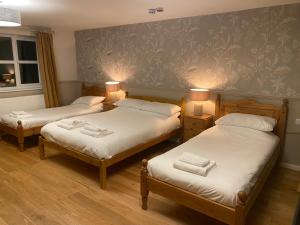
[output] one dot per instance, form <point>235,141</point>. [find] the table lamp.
<point>112,90</point>
<point>198,95</point>
<point>112,86</point>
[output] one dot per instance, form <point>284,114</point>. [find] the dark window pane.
<point>7,75</point>
<point>26,50</point>
<point>6,52</point>
<point>29,73</point>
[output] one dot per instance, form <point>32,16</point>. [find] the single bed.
<point>32,125</point>
<point>244,159</point>
<point>133,131</point>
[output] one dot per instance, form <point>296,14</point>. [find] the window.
<point>19,68</point>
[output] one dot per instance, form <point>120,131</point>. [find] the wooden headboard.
<point>180,103</point>
<point>251,106</point>
<point>92,90</point>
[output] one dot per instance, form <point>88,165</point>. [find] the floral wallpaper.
<point>254,51</point>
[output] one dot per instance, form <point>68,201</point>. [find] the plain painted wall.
<point>65,55</point>
<point>65,58</point>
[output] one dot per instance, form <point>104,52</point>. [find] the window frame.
<point>16,62</point>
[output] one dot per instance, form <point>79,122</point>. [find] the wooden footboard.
<point>223,213</point>
<point>103,164</point>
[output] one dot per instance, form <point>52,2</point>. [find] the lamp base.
<point>198,109</point>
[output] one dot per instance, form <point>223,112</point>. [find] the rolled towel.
<point>20,116</point>
<point>70,124</point>
<point>202,171</point>
<point>66,126</point>
<point>193,159</point>
<point>18,113</point>
<point>93,128</point>
<point>96,134</point>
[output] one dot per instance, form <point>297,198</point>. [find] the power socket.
<point>297,121</point>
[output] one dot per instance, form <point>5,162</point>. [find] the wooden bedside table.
<point>108,106</point>
<point>194,125</point>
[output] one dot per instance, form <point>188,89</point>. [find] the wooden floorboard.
<point>62,190</point>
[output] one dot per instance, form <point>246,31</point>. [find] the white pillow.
<point>89,100</point>
<point>165,109</point>
<point>130,103</point>
<point>256,122</point>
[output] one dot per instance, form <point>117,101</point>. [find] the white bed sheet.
<point>130,127</point>
<point>43,116</point>
<point>240,153</point>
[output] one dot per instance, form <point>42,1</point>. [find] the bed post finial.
<point>183,106</point>
<point>144,184</point>
<point>144,163</point>
<point>20,133</point>
<point>283,122</point>
<point>242,197</point>
<point>217,106</point>
<point>240,210</point>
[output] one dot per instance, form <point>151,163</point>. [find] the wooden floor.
<point>62,190</point>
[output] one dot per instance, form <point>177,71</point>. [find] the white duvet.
<point>240,154</point>
<point>130,127</point>
<point>43,116</point>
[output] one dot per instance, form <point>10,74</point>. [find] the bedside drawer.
<point>190,122</point>
<point>194,125</point>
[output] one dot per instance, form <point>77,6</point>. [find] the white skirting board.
<point>290,166</point>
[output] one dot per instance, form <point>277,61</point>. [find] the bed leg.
<point>144,184</point>
<point>41,148</point>
<point>20,132</point>
<point>102,175</point>
<point>240,218</point>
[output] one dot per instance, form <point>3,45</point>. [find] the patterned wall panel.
<point>254,51</point>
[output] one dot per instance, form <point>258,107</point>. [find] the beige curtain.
<point>47,69</point>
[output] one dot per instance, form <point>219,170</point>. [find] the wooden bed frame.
<point>103,164</point>
<point>229,215</point>
<point>20,133</point>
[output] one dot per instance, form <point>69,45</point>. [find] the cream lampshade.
<point>112,86</point>
<point>198,95</point>
<point>112,90</point>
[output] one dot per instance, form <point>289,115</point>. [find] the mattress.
<point>43,116</point>
<point>240,154</point>
<point>130,127</point>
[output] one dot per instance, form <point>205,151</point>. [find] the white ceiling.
<point>83,14</point>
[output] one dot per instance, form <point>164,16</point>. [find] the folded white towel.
<point>202,171</point>
<point>96,134</point>
<point>70,124</point>
<point>193,159</point>
<point>18,113</point>
<point>93,128</point>
<point>20,116</point>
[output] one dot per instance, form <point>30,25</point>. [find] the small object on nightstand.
<point>108,106</point>
<point>194,125</point>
